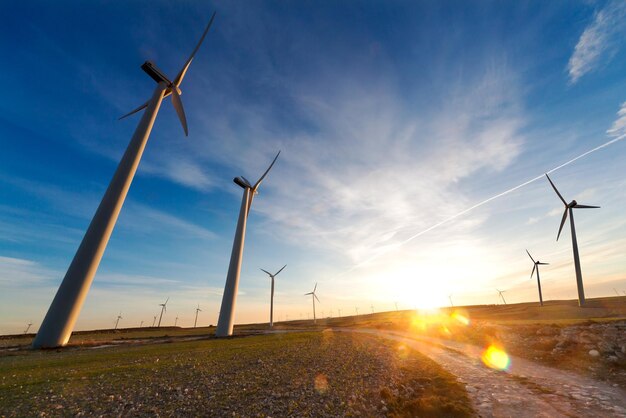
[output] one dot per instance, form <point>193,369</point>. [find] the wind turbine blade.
<point>533,272</point>
<point>315,288</point>
<point>166,300</point>
<point>276,274</point>
<point>562,223</point>
<point>183,71</point>
<point>310,293</point>
<point>555,189</point>
<point>543,264</point>
<point>531,257</point>
<point>180,111</point>
<point>270,274</point>
<point>258,183</point>
<point>143,106</point>
<point>318,299</point>
<point>586,207</point>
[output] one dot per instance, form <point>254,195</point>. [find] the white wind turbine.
<point>536,265</point>
<point>118,320</point>
<point>313,296</point>
<point>569,207</point>
<point>229,298</point>
<point>501,293</point>
<point>59,321</point>
<point>163,309</point>
<point>176,320</point>
<point>195,322</point>
<point>272,293</point>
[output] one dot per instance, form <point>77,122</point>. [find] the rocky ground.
<point>303,374</point>
<point>597,349</point>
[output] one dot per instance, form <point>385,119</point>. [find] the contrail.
<point>484,202</point>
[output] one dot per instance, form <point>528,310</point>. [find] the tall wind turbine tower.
<point>163,309</point>
<point>313,296</point>
<point>195,322</point>
<point>536,265</point>
<point>61,317</point>
<point>272,293</point>
<point>118,320</point>
<point>501,293</point>
<point>227,313</point>
<point>569,210</point>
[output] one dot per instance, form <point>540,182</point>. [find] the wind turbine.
<point>450,298</point>
<point>313,296</point>
<point>61,317</point>
<point>569,210</point>
<point>154,321</point>
<point>229,298</point>
<point>501,293</point>
<point>176,320</point>
<point>141,325</point>
<point>118,320</point>
<point>272,294</point>
<point>163,309</point>
<point>28,327</point>
<point>357,310</point>
<point>372,307</point>
<point>536,265</point>
<point>396,303</point>
<point>195,322</point>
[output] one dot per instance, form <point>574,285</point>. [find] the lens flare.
<point>496,358</point>
<point>321,383</point>
<point>459,317</point>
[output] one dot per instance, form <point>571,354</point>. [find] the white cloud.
<point>619,125</point>
<point>599,40</point>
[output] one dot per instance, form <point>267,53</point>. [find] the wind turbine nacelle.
<point>154,72</point>
<point>240,182</point>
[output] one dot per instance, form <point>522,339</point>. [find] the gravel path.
<point>527,389</point>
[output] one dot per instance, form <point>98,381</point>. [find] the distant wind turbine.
<point>163,309</point>
<point>357,310</point>
<point>227,313</point>
<point>141,324</point>
<point>396,303</point>
<point>118,320</point>
<point>176,320</point>
<point>569,210</point>
<point>195,322</point>
<point>28,327</point>
<point>272,276</point>
<point>313,297</point>
<point>501,293</point>
<point>372,308</point>
<point>536,265</point>
<point>450,298</point>
<point>154,321</point>
<point>61,317</point>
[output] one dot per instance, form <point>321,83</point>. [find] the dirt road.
<point>526,389</point>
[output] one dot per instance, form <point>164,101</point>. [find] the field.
<point>303,374</point>
<point>304,369</point>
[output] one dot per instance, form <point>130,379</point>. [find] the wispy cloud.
<point>599,40</point>
<point>619,126</point>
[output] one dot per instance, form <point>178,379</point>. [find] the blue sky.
<point>391,117</point>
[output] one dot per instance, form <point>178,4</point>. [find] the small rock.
<point>594,353</point>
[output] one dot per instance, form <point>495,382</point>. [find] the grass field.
<point>302,374</point>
